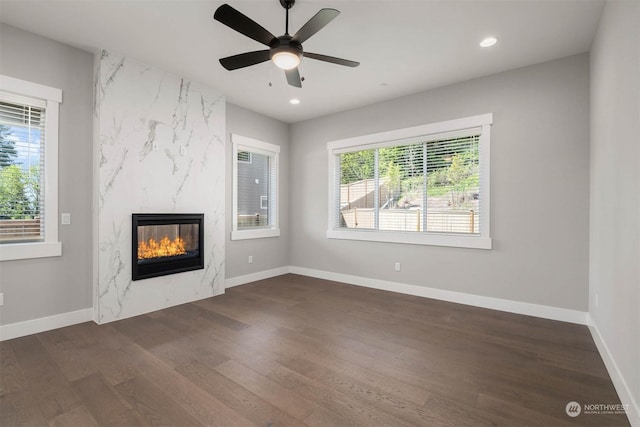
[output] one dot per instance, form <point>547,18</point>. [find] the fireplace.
<point>166,244</point>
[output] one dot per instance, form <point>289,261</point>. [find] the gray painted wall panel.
<point>47,286</point>
<point>268,253</point>
<point>615,187</point>
<point>539,187</point>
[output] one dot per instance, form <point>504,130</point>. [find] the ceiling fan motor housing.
<point>285,44</point>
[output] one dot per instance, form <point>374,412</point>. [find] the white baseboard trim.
<point>618,380</point>
<point>536,310</point>
<point>254,277</point>
<point>28,327</point>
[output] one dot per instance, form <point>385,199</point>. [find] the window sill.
<point>473,242</point>
<point>15,251</point>
<point>255,234</point>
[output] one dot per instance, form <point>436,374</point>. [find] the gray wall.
<point>615,187</point>
<point>47,286</point>
<point>539,188</point>
<point>272,252</point>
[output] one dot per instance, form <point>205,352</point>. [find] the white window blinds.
<point>256,181</point>
<point>22,137</point>
<point>425,184</point>
<point>422,185</point>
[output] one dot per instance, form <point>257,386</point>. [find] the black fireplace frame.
<point>146,271</point>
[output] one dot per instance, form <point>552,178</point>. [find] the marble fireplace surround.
<point>159,146</point>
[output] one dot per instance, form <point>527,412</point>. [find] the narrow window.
<point>255,184</point>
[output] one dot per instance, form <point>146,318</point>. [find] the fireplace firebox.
<point>166,244</point>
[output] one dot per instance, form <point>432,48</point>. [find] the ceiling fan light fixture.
<point>286,60</point>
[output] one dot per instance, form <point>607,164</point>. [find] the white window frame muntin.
<point>430,132</point>
<point>50,247</point>
<point>243,143</point>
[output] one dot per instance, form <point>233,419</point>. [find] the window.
<point>28,169</point>
<point>423,185</point>
<point>255,188</point>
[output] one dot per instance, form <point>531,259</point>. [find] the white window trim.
<point>243,143</point>
<point>50,247</point>
<point>432,131</point>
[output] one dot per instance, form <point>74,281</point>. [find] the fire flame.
<point>166,247</point>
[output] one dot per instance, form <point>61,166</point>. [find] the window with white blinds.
<point>255,188</point>
<point>22,141</point>
<point>423,185</point>
<point>28,169</point>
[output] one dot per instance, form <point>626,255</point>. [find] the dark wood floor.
<point>299,351</point>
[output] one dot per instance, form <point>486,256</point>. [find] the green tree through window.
<point>8,152</point>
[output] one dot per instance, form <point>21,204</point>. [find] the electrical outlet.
<point>250,259</point>
<point>183,150</point>
<point>397,266</point>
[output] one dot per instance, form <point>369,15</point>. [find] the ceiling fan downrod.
<point>287,4</point>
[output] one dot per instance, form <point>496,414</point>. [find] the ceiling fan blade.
<point>331,59</point>
<point>315,24</point>
<point>245,59</point>
<point>243,24</point>
<point>293,77</point>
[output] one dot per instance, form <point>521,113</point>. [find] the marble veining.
<point>160,148</point>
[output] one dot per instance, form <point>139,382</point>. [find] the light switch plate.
<point>66,218</point>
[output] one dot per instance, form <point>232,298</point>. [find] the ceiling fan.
<point>285,51</point>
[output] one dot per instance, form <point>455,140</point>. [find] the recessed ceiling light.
<point>488,42</point>
<point>294,101</point>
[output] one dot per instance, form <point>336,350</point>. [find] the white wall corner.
<point>619,382</point>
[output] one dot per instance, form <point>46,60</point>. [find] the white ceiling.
<point>404,47</point>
